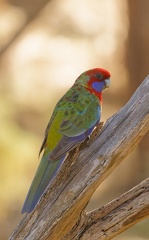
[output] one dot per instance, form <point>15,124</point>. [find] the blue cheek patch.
<point>98,86</point>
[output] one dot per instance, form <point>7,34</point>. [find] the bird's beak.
<point>107,83</point>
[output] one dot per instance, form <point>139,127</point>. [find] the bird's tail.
<point>44,175</point>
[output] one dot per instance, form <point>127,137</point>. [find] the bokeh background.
<point>44,46</point>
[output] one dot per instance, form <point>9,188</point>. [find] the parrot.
<point>73,119</point>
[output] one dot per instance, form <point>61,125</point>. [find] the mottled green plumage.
<point>74,117</point>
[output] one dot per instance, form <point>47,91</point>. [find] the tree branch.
<point>31,14</point>
<point>61,215</point>
<point>115,217</point>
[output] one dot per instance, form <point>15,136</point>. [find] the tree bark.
<point>61,212</point>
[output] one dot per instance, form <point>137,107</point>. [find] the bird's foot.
<point>95,133</point>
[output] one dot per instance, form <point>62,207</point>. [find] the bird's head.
<point>95,81</point>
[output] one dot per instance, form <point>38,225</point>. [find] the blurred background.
<point>44,46</point>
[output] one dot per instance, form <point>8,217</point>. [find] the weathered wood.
<point>115,217</point>
<point>60,213</point>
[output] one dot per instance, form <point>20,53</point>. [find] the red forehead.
<point>104,72</point>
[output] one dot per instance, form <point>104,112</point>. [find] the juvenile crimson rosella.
<point>73,119</point>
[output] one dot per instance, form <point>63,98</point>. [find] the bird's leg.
<point>95,133</point>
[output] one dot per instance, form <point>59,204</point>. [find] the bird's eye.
<point>98,75</point>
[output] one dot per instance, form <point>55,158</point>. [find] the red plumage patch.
<point>93,78</point>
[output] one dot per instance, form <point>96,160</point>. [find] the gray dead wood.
<point>61,212</point>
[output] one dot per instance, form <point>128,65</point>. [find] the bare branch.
<point>31,14</point>
<point>60,212</point>
<point>115,217</point>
